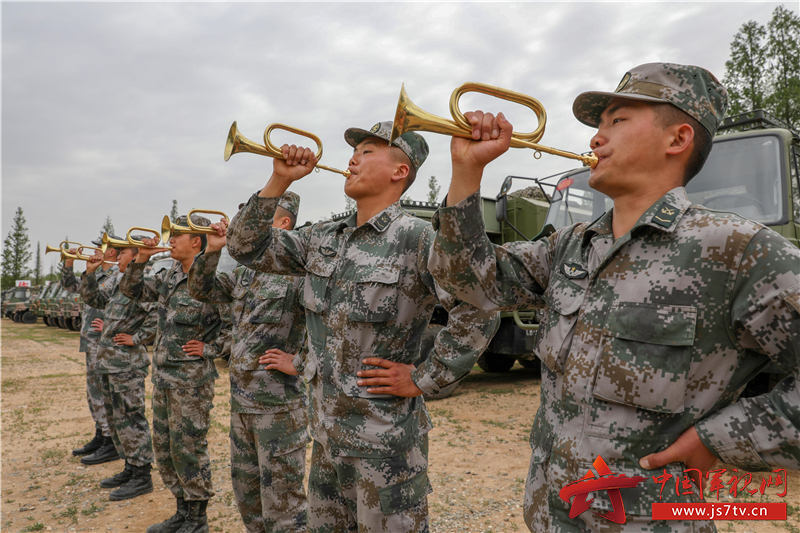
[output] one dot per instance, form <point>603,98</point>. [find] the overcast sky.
<point>117,109</point>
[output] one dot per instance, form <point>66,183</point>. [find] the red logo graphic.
<point>607,481</point>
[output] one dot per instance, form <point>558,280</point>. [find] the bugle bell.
<point>236,142</point>
<point>410,117</point>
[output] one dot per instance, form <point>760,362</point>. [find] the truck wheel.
<point>28,317</point>
<point>75,323</point>
<point>62,323</point>
<point>495,362</point>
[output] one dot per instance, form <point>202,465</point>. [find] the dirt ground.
<point>478,451</point>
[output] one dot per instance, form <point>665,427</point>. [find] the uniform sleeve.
<point>68,279</point>
<point>147,331</point>
<point>763,431</point>
<point>459,344</point>
<point>205,284</point>
<point>220,346</point>
<point>253,242</point>
<point>136,285</point>
<point>91,292</point>
<point>469,266</point>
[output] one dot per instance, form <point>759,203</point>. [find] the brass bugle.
<point>236,142</point>
<point>81,257</point>
<point>136,242</point>
<point>169,228</point>
<point>204,229</point>
<point>410,117</point>
<point>64,253</point>
<point>129,241</point>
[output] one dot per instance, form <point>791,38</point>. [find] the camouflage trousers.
<point>94,391</point>
<point>369,494</point>
<point>268,458</point>
<point>181,417</point>
<point>546,512</point>
<point>124,402</point>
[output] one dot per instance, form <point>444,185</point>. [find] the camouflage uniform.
<point>268,408</point>
<point>367,293</point>
<point>88,344</point>
<point>645,336</point>
<point>123,368</point>
<point>183,385</point>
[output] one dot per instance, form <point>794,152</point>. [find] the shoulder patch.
<point>665,215</point>
<point>574,271</point>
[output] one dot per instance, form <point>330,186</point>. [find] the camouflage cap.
<point>290,201</point>
<point>99,242</point>
<point>197,220</point>
<point>693,90</point>
<point>412,144</point>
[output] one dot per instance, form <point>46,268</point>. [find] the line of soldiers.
<point>659,313</point>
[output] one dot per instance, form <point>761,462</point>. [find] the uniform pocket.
<point>563,298</point>
<point>374,295</point>
<point>315,286</point>
<point>188,313</point>
<point>646,356</point>
<point>270,301</point>
<point>404,495</point>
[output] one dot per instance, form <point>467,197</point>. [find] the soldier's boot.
<point>119,478</point>
<point>90,446</point>
<point>140,483</point>
<point>174,522</point>
<point>105,453</point>
<point>196,519</point>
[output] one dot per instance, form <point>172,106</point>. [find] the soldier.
<point>268,408</point>
<point>101,448</point>
<point>368,298</point>
<point>660,311</point>
<point>190,335</point>
<point>128,325</point>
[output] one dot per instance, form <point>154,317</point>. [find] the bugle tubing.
<point>236,142</point>
<point>410,117</point>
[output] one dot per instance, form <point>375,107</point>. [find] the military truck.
<point>16,302</point>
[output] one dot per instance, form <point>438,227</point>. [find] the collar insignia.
<point>665,215</point>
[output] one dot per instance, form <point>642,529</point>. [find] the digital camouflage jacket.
<point>181,318</point>
<point>367,293</point>
<point>266,314</point>
<point>644,337</point>
<point>120,315</point>
<point>89,313</point>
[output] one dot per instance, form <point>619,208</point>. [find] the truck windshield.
<point>741,175</point>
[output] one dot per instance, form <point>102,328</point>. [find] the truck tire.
<point>29,317</point>
<point>495,362</point>
<point>62,323</point>
<point>75,323</point>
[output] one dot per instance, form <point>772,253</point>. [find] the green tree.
<point>108,227</point>
<point>744,77</point>
<point>783,45</point>
<point>764,68</point>
<point>16,251</point>
<point>433,190</point>
<point>173,213</point>
<point>37,273</point>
